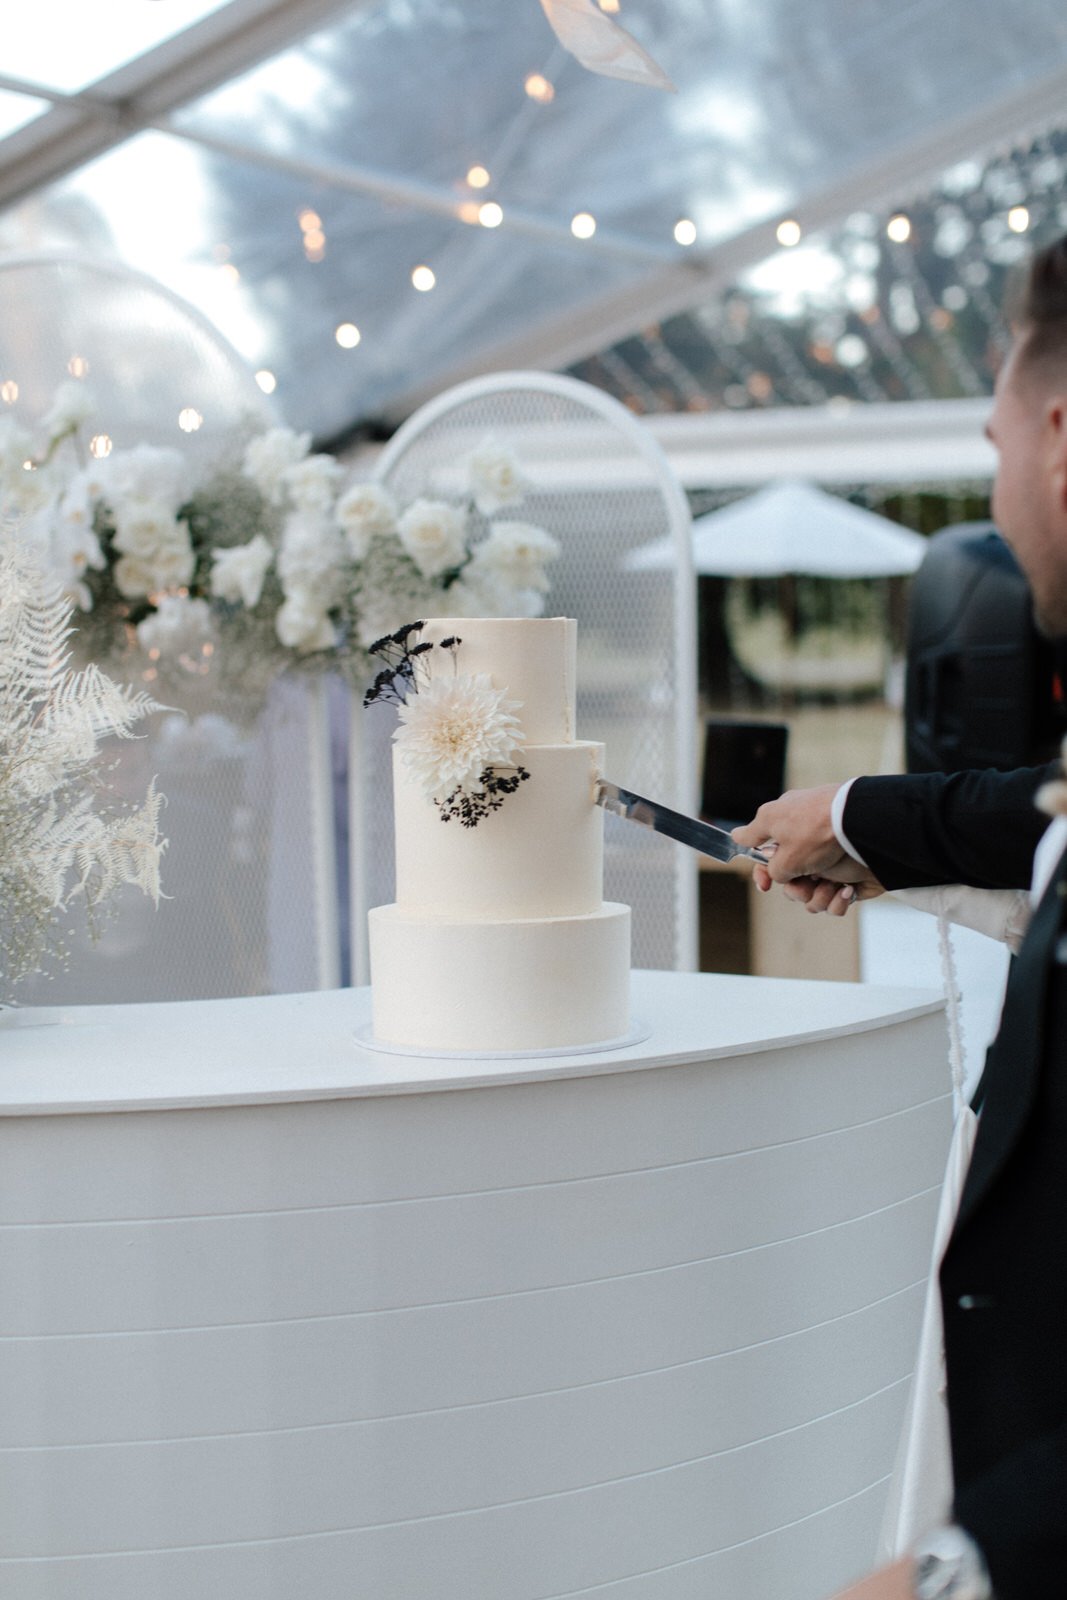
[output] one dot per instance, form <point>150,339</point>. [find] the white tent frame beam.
<point>580,332</point>
<point>908,442</point>
<point>914,443</point>
<point>393,190</point>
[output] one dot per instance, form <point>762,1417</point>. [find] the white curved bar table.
<point>282,1319</point>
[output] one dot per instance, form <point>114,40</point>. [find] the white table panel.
<point>287,1316</point>
<point>527,1447</point>
<point>316,1153</point>
<point>367,1257</point>
<point>523,1550</point>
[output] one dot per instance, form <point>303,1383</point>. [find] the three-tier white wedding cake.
<point>499,938</point>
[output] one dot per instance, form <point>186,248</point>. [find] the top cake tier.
<point>531,658</point>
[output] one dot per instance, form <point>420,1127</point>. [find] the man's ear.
<point>1056,429</point>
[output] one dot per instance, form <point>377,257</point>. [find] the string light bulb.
<point>490,215</point>
<point>77,366</point>
<point>899,228</point>
<point>538,88</point>
<point>788,233</point>
<point>685,231</point>
<point>347,335</point>
<point>266,380</point>
<point>1018,219</point>
<point>477,177</point>
<point>100,446</point>
<point>189,419</point>
<point>423,279</point>
<point>9,391</point>
<point>583,225</point>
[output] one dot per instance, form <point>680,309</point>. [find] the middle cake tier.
<point>540,855</point>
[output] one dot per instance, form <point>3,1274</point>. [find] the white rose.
<point>311,558</point>
<point>434,534</point>
<point>178,625</point>
<point>515,554</point>
<point>363,512</point>
<point>239,571</point>
<point>494,477</point>
<point>268,457</point>
<point>133,577</point>
<point>145,527</point>
<point>72,404</point>
<point>312,483</point>
<point>173,566</point>
<point>146,472</point>
<point>302,625</point>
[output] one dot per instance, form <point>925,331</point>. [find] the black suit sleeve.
<point>1017,1515</point>
<point>979,828</point>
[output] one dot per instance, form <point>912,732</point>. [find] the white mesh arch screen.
<point>146,355</point>
<point>252,905</point>
<point>602,490</point>
<point>248,874</point>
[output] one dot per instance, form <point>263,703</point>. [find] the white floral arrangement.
<point>458,736</point>
<point>274,560</point>
<point>59,842</point>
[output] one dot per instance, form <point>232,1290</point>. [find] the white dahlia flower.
<point>454,728</point>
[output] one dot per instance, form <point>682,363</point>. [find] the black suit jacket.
<point>1004,1272</point>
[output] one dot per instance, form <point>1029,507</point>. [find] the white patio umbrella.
<point>792,527</point>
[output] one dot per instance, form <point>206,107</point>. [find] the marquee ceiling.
<point>306,174</point>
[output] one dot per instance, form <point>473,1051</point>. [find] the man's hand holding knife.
<point>796,834</point>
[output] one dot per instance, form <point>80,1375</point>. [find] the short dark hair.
<point>1037,310</point>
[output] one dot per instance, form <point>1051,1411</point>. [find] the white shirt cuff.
<point>837,812</point>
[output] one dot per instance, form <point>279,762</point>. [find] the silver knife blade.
<point>702,836</point>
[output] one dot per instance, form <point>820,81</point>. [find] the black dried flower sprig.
<point>401,651</point>
<point>469,806</point>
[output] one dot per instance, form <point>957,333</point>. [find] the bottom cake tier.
<point>542,984</point>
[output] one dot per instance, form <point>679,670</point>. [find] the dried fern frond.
<point>57,838</point>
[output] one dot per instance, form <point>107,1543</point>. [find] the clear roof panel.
<point>64,46</point>
<point>16,110</point>
<point>302,195</point>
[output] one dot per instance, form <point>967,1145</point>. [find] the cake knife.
<point>702,836</point>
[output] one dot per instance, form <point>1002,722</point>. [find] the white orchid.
<point>72,404</point>
<point>239,570</point>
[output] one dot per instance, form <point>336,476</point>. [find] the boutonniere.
<point>1052,796</point>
